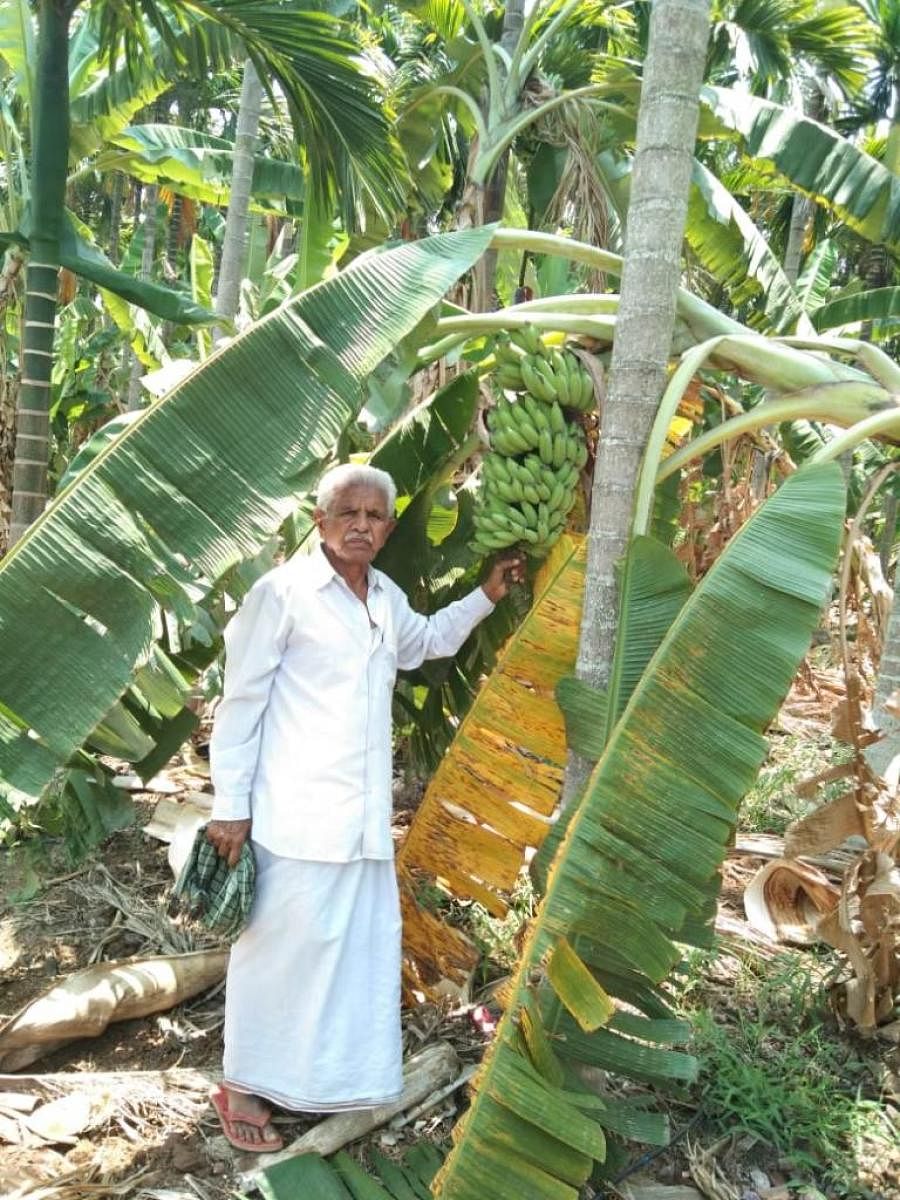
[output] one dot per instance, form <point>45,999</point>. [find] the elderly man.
<point>301,764</point>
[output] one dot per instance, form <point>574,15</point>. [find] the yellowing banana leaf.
<point>642,853</point>
<point>494,791</point>
<point>199,481</point>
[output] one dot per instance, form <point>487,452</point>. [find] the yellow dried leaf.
<point>499,782</point>
<point>577,988</point>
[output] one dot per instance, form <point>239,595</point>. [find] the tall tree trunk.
<point>234,249</point>
<point>657,210</point>
<point>802,208</point>
<point>12,278</point>
<point>115,216</point>
<point>49,164</point>
<point>185,99</point>
<point>8,385</point>
<point>149,202</point>
<point>173,236</point>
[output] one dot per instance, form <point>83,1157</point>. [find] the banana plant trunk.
<point>657,211</point>
<point>234,250</point>
<point>49,163</point>
<point>881,754</point>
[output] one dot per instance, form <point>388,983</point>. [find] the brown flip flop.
<point>218,1097</point>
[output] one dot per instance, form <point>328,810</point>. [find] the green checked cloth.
<point>219,895</point>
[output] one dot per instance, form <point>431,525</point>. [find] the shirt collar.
<point>323,572</point>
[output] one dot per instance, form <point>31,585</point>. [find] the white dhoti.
<point>312,1006</point>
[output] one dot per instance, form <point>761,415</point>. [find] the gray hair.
<point>347,475</point>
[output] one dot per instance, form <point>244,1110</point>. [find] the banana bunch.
<point>526,363</point>
<point>538,449</point>
<point>524,425</point>
<point>522,501</point>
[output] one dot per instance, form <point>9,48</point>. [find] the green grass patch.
<point>775,1065</point>
<point>772,803</point>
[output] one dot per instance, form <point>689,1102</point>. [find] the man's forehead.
<point>360,495</point>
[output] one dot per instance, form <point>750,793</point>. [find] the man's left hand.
<point>504,571</point>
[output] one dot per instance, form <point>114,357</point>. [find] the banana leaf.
<point>815,159</point>
<point>494,791</point>
<point>200,481</point>
<point>734,250</point>
<point>406,1178</point>
<point>653,587</point>
<point>877,304</point>
<point>642,853</point>
<point>196,164</point>
<point>814,282</point>
<point>88,260</point>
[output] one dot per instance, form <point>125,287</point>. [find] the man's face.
<point>356,525</point>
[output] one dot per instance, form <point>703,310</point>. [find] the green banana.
<point>556,419</point>
<point>500,469</point>
<point>528,338</point>
<point>573,378</point>
<point>558,363</point>
<point>545,447</point>
<point>531,513</point>
<point>537,381</point>
<point>560,445</point>
<point>546,372</point>
<point>588,400</point>
<point>556,496</point>
<point>524,424</point>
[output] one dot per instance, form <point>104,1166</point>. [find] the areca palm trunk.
<point>50,155</point>
<point>802,208</point>
<point>657,211</point>
<point>115,215</point>
<point>234,250</point>
<point>149,201</point>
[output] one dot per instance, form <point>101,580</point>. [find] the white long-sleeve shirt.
<point>302,737</point>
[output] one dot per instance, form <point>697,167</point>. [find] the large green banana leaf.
<point>639,862</point>
<point>196,164</point>
<point>653,585</point>
<point>733,248</point>
<point>877,304</point>
<point>815,159</point>
<point>199,481</point>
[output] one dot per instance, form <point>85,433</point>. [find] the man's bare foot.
<point>246,1120</point>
